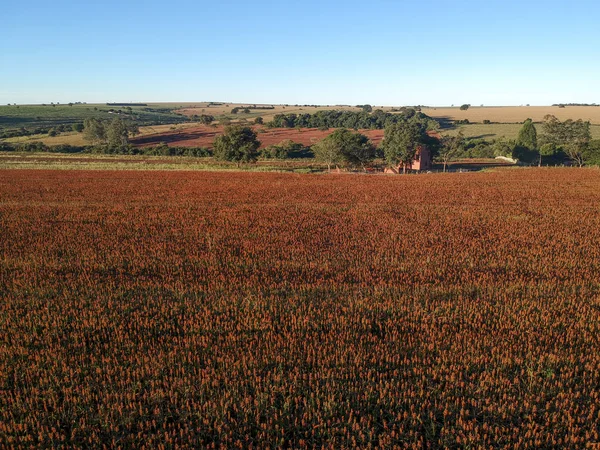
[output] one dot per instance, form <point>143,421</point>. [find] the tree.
<point>464,107</point>
<point>259,121</point>
<point>94,130</point>
<point>503,147</point>
<point>285,149</point>
<point>526,145</point>
<point>401,142</point>
<point>573,136</point>
<point>546,150</point>
<point>528,135</point>
<point>592,152</point>
<point>357,150</point>
<point>345,147</point>
<point>78,127</point>
<point>238,144</point>
<point>117,134</point>
<point>206,119</point>
<point>133,129</point>
<point>366,108</point>
<point>451,146</point>
<point>328,152</point>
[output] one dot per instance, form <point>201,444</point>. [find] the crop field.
<point>515,114</point>
<point>77,139</point>
<point>217,310</point>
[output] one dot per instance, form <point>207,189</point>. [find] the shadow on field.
<point>446,123</point>
<point>171,137</point>
<point>481,136</point>
<point>473,166</point>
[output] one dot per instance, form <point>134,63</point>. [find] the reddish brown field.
<point>211,310</point>
<point>204,136</point>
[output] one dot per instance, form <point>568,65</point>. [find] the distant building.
<point>422,161</point>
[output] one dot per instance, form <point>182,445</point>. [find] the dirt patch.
<point>204,136</point>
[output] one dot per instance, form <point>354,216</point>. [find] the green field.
<point>38,116</point>
<point>498,130</point>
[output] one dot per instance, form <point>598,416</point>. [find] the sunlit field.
<point>228,310</point>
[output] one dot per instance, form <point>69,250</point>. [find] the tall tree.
<point>401,142</point>
<point>133,129</point>
<point>356,148</point>
<point>328,152</point>
<point>573,136</point>
<point>345,147</point>
<point>450,148</point>
<point>528,135</point>
<point>94,130</point>
<point>117,134</point>
<point>238,144</point>
<point>545,150</point>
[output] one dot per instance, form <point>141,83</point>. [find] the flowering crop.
<point>196,309</point>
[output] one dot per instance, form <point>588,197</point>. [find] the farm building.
<point>423,158</point>
<point>422,161</point>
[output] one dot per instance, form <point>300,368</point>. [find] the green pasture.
<point>498,130</point>
<point>33,116</point>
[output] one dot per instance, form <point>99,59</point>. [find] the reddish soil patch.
<point>204,136</point>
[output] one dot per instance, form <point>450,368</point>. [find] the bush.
<point>524,154</point>
<point>285,149</point>
<point>503,147</point>
<point>238,144</point>
<point>486,122</point>
<point>6,147</point>
<point>65,148</point>
<point>479,148</point>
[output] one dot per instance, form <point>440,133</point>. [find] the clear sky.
<point>381,52</point>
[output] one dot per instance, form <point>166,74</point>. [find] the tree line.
<point>558,142</point>
<point>350,149</point>
<point>342,148</point>
<point>377,120</point>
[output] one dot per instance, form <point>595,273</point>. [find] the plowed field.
<point>204,136</point>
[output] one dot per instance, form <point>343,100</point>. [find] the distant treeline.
<point>377,120</point>
<point>127,104</point>
<point>159,150</point>
<point>53,131</point>
<point>257,107</point>
<point>562,105</point>
<point>246,109</point>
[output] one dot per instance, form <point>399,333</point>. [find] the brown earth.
<point>204,136</point>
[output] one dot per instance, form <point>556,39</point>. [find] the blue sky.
<point>380,52</point>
